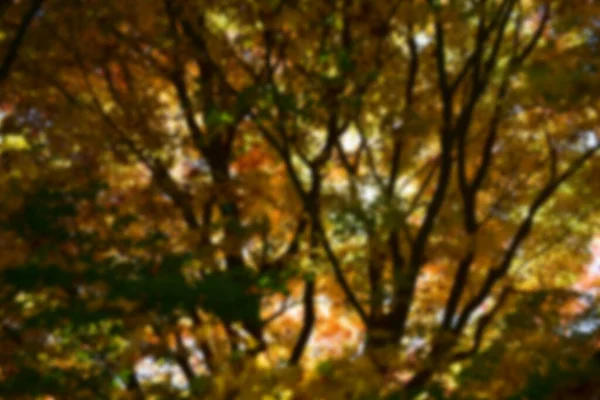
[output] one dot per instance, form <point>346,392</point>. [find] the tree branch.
<point>13,47</point>
<point>496,273</point>
<point>308,322</point>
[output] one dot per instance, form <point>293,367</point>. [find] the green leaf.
<point>217,118</point>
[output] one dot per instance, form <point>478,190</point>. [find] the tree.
<point>179,176</point>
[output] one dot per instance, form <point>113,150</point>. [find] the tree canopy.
<point>298,199</point>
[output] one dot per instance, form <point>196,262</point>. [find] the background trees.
<point>219,185</point>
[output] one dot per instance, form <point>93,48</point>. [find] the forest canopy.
<point>299,199</point>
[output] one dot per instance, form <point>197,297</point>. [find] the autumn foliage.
<point>299,199</point>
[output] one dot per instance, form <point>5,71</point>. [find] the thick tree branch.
<point>458,285</point>
<point>442,73</point>
<point>308,321</point>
